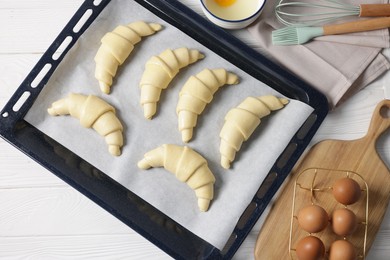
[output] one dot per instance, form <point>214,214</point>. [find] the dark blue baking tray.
<point>115,198</point>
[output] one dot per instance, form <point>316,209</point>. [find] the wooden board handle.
<point>380,121</point>
<point>358,26</point>
<point>367,10</point>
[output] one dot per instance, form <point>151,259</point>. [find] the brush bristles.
<point>291,35</point>
<point>285,36</point>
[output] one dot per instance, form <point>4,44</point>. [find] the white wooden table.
<point>42,217</point>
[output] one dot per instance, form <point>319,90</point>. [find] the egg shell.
<point>342,250</point>
<point>313,218</point>
<point>344,222</point>
<point>310,248</point>
<point>346,191</point>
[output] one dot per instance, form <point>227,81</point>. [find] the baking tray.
<point>115,198</point>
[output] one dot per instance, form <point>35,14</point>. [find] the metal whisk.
<point>318,12</point>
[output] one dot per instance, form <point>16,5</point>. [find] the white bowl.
<point>240,18</point>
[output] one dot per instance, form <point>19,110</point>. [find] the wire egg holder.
<point>315,187</point>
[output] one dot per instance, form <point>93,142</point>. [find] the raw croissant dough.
<point>241,122</point>
<point>116,47</point>
<point>187,165</point>
<point>196,93</point>
<point>159,71</point>
<point>92,112</point>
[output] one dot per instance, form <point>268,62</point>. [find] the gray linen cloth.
<point>337,65</point>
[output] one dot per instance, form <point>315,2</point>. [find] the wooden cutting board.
<point>359,160</point>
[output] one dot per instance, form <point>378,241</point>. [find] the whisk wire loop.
<point>301,13</point>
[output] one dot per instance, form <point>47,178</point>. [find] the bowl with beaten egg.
<point>232,14</point>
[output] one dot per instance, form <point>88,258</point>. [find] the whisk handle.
<point>357,26</point>
<point>367,10</point>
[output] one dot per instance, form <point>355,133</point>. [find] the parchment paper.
<point>234,188</point>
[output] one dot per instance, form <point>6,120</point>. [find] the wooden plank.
<point>18,170</point>
<point>38,4</point>
<point>22,37</point>
<point>49,211</point>
<point>14,69</point>
<point>116,246</point>
<point>386,80</point>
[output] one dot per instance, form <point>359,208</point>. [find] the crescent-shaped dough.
<point>187,165</point>
<point>116,47</point>
<point>241,122</point>
<point>196,93</point>
<point>95,113</point>
<point>159,72</point>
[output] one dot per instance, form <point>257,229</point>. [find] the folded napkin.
<point>337,65</point>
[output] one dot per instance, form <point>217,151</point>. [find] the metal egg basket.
<point>313,186</point>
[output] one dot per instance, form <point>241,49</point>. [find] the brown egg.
<point>346,191</point>
<point>310,248</point>
<point>344,222</point>
<point>313,218</point>
<point>342,250</point>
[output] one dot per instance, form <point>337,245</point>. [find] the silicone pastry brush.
<point>292,35</point>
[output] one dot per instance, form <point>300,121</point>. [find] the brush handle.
<point>358,26</point>
<point>367,10</point>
